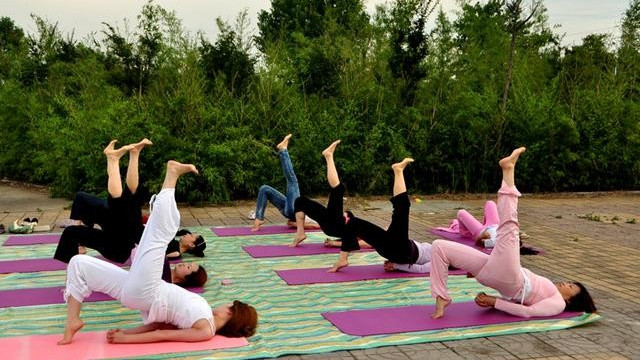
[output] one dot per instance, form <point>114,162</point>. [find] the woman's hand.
<point>485,300</point>
<point>115,336</point>
<point>388,266</point>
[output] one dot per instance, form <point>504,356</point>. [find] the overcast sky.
<point>577,18</point>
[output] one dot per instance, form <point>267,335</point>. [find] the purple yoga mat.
<point>46,264</point>
<point>350,273</point>
<point>262,251</point>
<point>417,318</point>
<point>32,239</point>
<point>264,230</point>
<point>459,239</point>
<point>50,295</point>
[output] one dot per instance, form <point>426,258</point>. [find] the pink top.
<point>544,299</point>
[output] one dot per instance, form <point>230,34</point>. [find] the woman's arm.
<point>548,307</point>
<point>200,331</point>
<point>146,328</point>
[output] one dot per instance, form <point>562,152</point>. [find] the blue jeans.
<point>284,203</point>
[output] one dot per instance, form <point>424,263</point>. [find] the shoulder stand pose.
<point>523,292</point>
<point>284,203</point>
<point>170,313</point>
<point>394,243</point>
<point>484,233</point>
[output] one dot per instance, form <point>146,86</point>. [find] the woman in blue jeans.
<point>284,203</point>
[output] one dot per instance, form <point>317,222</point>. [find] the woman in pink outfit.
<point>523,292</point>
<point>484,233</point>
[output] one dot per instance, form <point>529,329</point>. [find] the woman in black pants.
<point>120,217</point>
<point>394,243</point>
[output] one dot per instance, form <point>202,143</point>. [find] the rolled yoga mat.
<point>350,273</point>
<point>13,240</point>
<point>264,230</point>
<point>51,295</point>
<point>262,251</point>
<point>418,318</point>
<point>94,345</point>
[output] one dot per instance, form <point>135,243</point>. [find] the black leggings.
<point>121,225</point>
<point>394,243</point>
<point>90,209</point>
<point>329,218</point>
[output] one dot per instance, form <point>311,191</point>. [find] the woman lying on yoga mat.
<point>331,217</point>
<point>120,219</point>
<point>523,293</point>
<point>484,233</point>
<point>284,203</point>
<point>394,243</point>
<point>170,313</point>
<point>186,242</point>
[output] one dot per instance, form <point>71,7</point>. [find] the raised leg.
<point>114,184</point>
<point>398,176</point>
<point>332,172</point>
<point>132,178</point>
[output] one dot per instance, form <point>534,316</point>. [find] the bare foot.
<point>440,305</point>
<point>509,162</point>
<point>339,265</point>
<point>82,249</point>
<point>329,151</point>
<point>284,144</point>
<point>137,147</point>
<point>180,168</point>
<point>257,223</point>
<point>298,240</point>
<point>111,152</point>
<point>70,329</point>
<point>402,164</point>
<point>331,243</point>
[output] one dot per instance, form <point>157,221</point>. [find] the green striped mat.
<point>290,320</point>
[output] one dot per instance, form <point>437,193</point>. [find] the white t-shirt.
<point>177,306</point>
<point>423,264</point>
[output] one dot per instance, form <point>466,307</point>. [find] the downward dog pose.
<point>170,312</point>
<point>330,218</point>
<point>394,243</point>
<point>523,292</point>
<point>284,203</point>
<point>120,218</point>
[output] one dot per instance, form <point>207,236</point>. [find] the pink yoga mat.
<point>45,264</point>
<point>50,295</point>
<point>417,318</point>
<point>32,239</point>
<point>350,273</point>
<point>94,345</point>
<point>264,230</point>
<point>262,251</point>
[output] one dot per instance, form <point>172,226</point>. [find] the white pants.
<point>136,288</point>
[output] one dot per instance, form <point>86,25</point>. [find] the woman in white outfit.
<point>170,313</point>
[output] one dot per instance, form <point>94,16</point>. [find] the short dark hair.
<point>195,279</point>
<point>582,301</point>
<point>243,321</point>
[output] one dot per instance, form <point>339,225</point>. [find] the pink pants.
<point>500,270</point>
<point>470,227</point>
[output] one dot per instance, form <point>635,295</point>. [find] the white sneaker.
<point>252,215</point>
